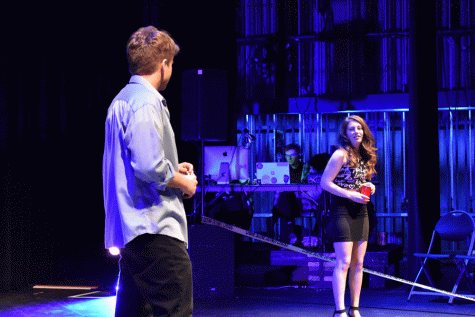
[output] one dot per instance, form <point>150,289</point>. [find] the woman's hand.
<point>370,185</point>
<point>357,197</point>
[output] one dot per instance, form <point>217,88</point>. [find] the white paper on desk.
<point>273,172</point>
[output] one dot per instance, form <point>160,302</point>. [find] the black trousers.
<point>155,278</point>
<point>287,208</point>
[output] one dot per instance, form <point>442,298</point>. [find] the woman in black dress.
<point>350,167</point>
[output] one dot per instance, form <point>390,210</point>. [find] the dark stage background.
<point>61,66</point>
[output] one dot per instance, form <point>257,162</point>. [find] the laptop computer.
<point>273,172</point>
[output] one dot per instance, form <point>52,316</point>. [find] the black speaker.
<point>211,252</point>
<point>204,105</point>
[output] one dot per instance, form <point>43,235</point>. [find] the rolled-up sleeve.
<point>144,138</point>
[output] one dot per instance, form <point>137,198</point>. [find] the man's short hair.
<point>147,48</point>
<point>292,146</point>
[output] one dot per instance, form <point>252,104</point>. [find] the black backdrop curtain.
<point>60,67</point>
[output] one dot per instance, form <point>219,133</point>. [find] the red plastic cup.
<point>365,190</point>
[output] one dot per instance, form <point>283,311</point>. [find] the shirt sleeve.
<point>144,139</point>
<point>305,172</point>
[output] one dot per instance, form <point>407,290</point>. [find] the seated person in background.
<point>298,170</point>
<point>287,205</point>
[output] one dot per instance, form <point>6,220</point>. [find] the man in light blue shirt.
<point>144,185</point>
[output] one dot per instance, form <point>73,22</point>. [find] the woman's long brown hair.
<point>367,148</point>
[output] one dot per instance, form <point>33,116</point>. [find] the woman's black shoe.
<point>352,309</point>
<point>339,312</point>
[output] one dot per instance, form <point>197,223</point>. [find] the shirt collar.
<point>137,79</point>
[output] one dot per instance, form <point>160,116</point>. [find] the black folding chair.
<point>452,227</point>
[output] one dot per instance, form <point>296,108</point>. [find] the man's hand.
<point>186,168</point>
<point>185,180</point>
<point>188,188</point>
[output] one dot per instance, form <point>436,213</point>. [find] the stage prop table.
<point>264,211</point>
<point>228,188</point>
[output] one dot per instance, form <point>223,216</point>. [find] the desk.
<point>257,188</point>
<point>247,189</point>
<point>230,188</point>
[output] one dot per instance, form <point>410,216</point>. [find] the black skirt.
<point>348,220</point>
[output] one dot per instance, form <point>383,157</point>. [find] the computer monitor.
<point>218,158</point>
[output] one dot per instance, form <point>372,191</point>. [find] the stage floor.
<point>255,302</point>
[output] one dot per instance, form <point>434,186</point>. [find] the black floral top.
<point>351,177</point>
